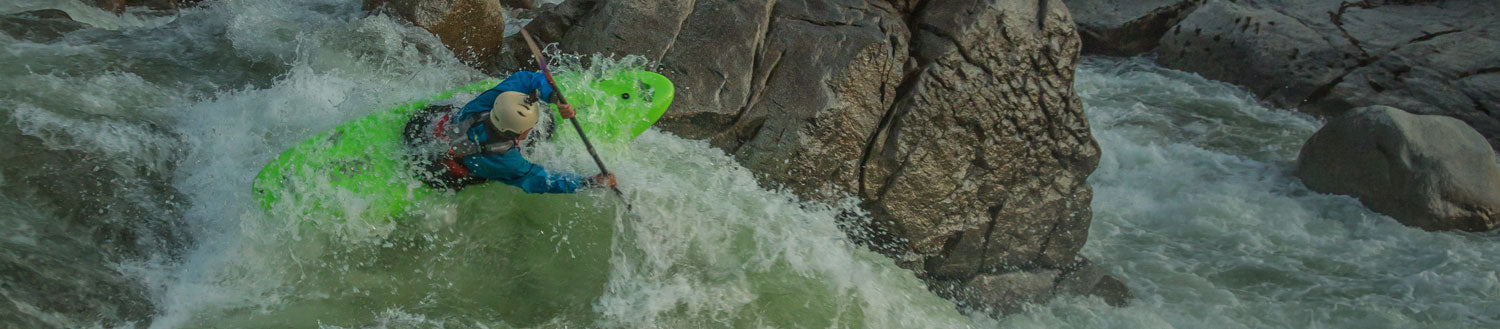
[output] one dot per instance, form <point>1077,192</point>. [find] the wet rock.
<point>118,6</point>
<point>956,121</point>
<point>1005,293</point>
<point>519,4</point>
<point>1008,292</point>
<point>548,24</point>
<point>1126,28</point>
<point>48,14</point>
<point>1085,278</point>
<point>1426,171</point>
<point>1327,56</point>
<point>473,29</point>
<point>763,81</point>
<point>981,163</point>
<point>41,26</point>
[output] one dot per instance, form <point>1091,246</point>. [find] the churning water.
<point>1197,210</point>
<point>132,142</point>
<point>199,104</point>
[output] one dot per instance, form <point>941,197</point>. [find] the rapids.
<point>131,144</point>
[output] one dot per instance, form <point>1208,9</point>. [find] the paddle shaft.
<point>541,61</point>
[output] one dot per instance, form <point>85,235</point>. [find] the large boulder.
<point>1427,171</point>
<point>956,121</point>
<point>473,29</point>
<point>981,163</point>
<point>1327,56</point>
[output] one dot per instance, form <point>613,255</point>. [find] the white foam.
<point>1196,210</point>
<point>706,244</point>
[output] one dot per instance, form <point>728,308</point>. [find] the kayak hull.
<point>359,170</point>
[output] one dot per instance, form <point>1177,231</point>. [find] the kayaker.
<point>482,141</point>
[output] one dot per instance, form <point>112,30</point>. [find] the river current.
<point>132,142</point>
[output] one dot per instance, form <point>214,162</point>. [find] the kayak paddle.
<point>541,61</point>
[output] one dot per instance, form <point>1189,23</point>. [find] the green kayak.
<point>359,169</point>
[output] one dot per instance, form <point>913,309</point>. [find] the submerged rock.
<point>1087,279</point>
<point>956,121</point>
<point>41,26</point>
<point>1426,171</point>
<point>71,219</point>
<point>473,29</point>
<point>118,6</point>
<point>1008,292</point>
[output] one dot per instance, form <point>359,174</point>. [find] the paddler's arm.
<point>523,82</point>
<point>526,82</point>
<point>512,169</point>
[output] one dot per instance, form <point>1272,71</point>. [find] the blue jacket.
<point>510,167</point>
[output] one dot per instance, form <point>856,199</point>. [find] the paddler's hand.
<point>605,179</point>
<point>566,111</point>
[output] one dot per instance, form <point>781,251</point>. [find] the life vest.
<point>440,145</point>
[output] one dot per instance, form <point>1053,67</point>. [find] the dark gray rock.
<point>118,6</point>
<point>956,121</point>
<point>1126,28</point>
<point>1453,74</point>
<point>519,4</point>
<point>41,26</point>
<point>1328,56</point>
<point>1283,57</point>
<point>548,24</point>
<point>1087,279</point>
<point>1008,292</point>
<point>1426,171</point>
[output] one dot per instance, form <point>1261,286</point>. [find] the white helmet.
<point>513,112</point>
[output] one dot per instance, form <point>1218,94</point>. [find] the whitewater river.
<point>134,142</point>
